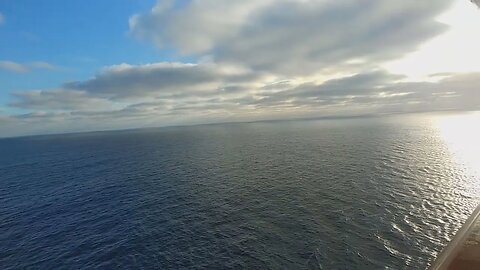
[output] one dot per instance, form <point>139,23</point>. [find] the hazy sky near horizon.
<point>93,65</point>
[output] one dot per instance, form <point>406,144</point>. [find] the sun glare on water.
<point>461,133</point>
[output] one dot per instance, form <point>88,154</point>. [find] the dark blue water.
<point>331,194</point>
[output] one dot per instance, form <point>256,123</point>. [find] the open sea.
<point>360,193</point>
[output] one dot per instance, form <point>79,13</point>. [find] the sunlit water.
<point>363,193</point>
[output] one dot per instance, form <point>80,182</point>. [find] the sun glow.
<point>462,133</point>
<point>457,50</point>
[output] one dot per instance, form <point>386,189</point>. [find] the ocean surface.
<point>361,193</point>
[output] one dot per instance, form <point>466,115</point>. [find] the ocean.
<point>355,193</point>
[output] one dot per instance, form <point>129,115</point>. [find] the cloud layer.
<point>261,59</point>
<point>210,97</point>
<point>293,37</point>
<point>161,79</point>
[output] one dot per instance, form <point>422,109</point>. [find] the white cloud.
<point>13,66</point>
<point>161,79</point>
<point>42,65</point>
<point>59,100</point>
<point>96,104</point>
<point>25,67</point>
<point>264,59</point>
<point>295,37</point>
<point>196,28</point>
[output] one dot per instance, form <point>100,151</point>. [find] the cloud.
<point>372,92</point>
<point>262,59</point>
<point>13,66</point>
<point>161,79</point>
<point>96,105</point>
<point>358,84</point>
<point>369,93</point>
<point>42,65</point>
<point>294,37</point>
<point>207,22</point>
<point>26,67</point>
<point>54,100</point>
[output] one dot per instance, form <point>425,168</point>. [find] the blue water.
<point>363,193</point>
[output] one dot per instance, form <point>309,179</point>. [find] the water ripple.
<point>334,194</point>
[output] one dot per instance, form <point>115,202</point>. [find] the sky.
<point>70,66</point>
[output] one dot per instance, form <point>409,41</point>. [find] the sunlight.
<point>461,133</point>
<point>457,50</point>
